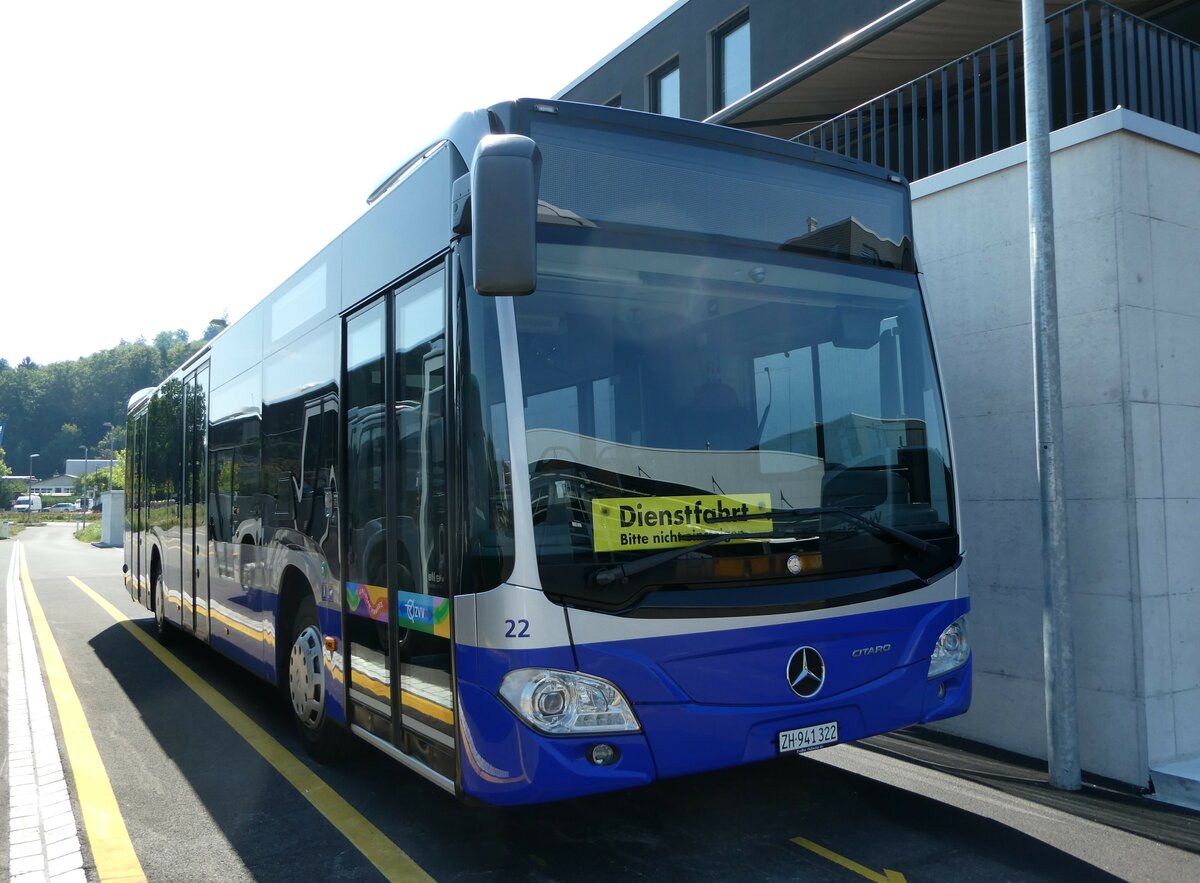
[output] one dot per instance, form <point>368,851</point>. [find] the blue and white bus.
<point>603,448</point>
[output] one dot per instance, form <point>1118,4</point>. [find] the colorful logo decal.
<point>368,601</point>
<point>623,524</point>
<point>424,613</point>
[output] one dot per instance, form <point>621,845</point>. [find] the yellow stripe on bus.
<point>240,627</point>
<point>104,826</point>
<point>390,859</point>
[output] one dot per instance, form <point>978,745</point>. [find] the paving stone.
<point>73,876</point>
<point>30,865</point>
<point>65,863</point>
<point>62,847</point>
<point>26,849</point>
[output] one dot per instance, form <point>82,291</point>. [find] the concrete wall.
<point>112,518</point>
<point>1128,256</point>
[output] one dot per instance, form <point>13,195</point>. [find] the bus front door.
<point>422,639</point>
<point>397,594</point>
<point>366,600</point>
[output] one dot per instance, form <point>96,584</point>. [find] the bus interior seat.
<point>716,419</point>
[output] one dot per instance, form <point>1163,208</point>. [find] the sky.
<point>165,163</point>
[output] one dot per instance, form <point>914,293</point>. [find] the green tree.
<point>8,489</point>
<point>97,482</point>
<point>89,394</point>
<point>216,326</point>
<point>63,447</point>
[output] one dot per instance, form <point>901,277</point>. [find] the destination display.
<point>627,523</point>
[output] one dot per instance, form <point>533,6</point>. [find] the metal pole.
<point>85,491</point>
<point>111,455</point>
<point>1062,728</point>
<point>29,494</point>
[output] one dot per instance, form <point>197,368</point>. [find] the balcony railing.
<point>1100,58</point>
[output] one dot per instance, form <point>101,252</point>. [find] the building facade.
<point>933,89</point>
<point>55,485</point>
<point>77,468</point>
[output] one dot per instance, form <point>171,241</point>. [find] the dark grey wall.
<point>783,33</point>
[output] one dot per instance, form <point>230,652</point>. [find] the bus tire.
<point>306,688</point>
<point>163,628</point>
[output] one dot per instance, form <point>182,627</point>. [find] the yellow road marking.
<point>435,711</point>
<point>419,703</point>
<point>107,836</point>
<point>375,846</point>
<point>887,876</point>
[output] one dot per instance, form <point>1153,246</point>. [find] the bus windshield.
<point>676,388</point>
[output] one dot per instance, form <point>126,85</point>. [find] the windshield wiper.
<point>894,533</point>
<point>609,575</point>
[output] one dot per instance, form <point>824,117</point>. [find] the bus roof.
<point>423,215</point>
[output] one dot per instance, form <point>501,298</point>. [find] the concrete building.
<point>80,467</point>
<point>933,90</point>
<point>55,485</point>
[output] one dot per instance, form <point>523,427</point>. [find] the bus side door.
<point>397,604</point>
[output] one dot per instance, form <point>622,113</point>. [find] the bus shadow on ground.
<point>731,824</point>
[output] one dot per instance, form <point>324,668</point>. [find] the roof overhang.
<point>912,40</point>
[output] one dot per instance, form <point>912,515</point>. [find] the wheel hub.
<point>306,678</point>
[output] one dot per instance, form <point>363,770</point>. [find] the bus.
<point>604,447</point>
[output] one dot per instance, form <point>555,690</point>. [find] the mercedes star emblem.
<point>806,672</point>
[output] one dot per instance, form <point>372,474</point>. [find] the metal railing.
<point>1100,56</point>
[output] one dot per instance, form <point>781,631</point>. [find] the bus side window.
<point>318,460</point>
<point>419,378</point>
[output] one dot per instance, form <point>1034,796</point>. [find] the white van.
<point>22,503</point>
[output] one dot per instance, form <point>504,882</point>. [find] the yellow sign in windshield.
<point>632,523</point>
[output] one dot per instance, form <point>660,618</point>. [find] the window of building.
<point>664,89</point>
<point>731,61</point>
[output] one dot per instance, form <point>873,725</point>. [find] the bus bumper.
<point>692,738</point>
<point>505,761</point>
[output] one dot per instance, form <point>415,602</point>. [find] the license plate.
<point>808,738</point>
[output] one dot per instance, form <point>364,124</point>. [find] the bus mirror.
<point>504,200</point>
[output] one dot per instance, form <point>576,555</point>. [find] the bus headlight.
<point>565,703</point>
<point>951,650</point>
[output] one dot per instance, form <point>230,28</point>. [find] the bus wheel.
<point>306,686</point>
<point>162,626</point>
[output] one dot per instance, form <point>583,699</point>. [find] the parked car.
<point>61,507</point>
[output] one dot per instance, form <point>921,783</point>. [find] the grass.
<point>90,534</point>
<point>16,523</point>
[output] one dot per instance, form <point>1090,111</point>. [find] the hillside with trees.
<point>52,410</point>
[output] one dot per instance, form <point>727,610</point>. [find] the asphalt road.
<point>200,803</point>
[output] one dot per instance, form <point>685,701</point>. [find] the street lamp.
<point>29,498</point>
<point>85,493</point>
<point>111,455</point>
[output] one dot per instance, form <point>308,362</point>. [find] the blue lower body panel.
<point>505,762</point>
<point>691,738</point>
<point>707,700</point>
